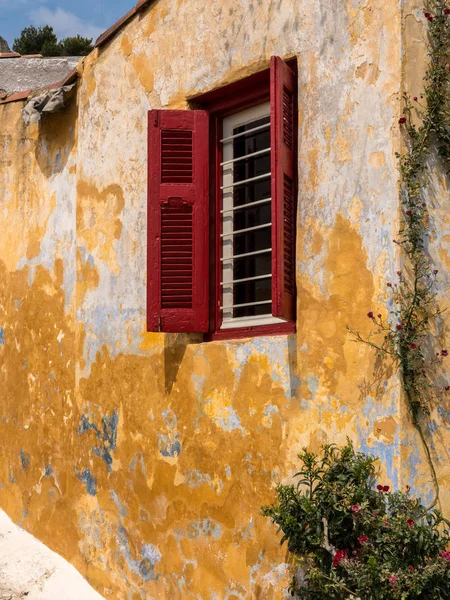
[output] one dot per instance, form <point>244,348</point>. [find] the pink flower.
<point>370,315</point>
<point>389,284</point>
<point>415,98</point>
<point>402,120</point>
<point>399,327</point>
<point>375,513</point>
<point>446,11</point>
<point>356,508</point>
<point>379,316</point>
<point>379,488</point>
<point>410,523</point>
<point>363,539</point>
<point>444,353</point>
<point>445,555</point>
<point>409,213</point>
<point>385,488</point>
<point>393,579</point>
<point>435,271</point>
<point>399,273</point>
<point>424,205</point>
<point>412,346</point>
<point>428,17</point>
<point>447,388</point>
<point>340,555</point>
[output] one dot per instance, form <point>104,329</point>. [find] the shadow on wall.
<point>175,346</point>
<point>57,135</point>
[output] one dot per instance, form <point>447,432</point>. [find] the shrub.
<point>354,539</point>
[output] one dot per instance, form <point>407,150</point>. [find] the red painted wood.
<point>256,331</point>
<point>283,142</point>
<point>178,221</point>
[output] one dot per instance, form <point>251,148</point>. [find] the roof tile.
<point>16,97</point>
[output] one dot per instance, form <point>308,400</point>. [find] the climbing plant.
<point>406,335</point>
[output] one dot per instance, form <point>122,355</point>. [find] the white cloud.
<point>65,24</point>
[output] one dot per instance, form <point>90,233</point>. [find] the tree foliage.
<point>43,40</point>
<point>353,539</point>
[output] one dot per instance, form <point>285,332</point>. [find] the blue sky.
<point>68,17</point>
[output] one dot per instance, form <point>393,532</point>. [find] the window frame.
<point>220,103</point>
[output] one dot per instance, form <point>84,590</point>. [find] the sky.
<point>89,18</point>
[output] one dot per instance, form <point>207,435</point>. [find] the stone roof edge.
<point>109,33</point>
<point>70,78</point>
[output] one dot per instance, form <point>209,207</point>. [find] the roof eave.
<point>109,33</point>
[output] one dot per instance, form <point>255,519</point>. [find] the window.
<point>246,261</point>
<point>223,262</point>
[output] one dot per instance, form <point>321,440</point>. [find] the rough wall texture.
<point>144,458</point>
<point>22,74</point>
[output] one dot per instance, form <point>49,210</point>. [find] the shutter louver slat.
<point>178,207</point>
<point>171,246</point>
<point>176,156</point>
<point>283,168</point>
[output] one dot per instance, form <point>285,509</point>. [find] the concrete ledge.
<point>28,569</point>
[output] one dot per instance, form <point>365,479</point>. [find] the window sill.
<point>249,332</point>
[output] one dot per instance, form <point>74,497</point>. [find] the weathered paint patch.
<point>107,436</point>
<point>24,459</point>
<point>89,481</point>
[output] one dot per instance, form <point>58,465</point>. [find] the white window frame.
<point>227,263</point>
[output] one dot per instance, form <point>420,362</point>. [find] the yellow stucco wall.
<point>144,458</point>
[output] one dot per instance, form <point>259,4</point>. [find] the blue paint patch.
<point>230,422</point>
<point>169,446</point>
<point>386,453</point>
<point>270,410</point>
<point>228,471</point>
<point>313,384</point>
<point>25,459</point>
<point>150,556</point>
<point>107,436</point>
<point>89,481</point>
<point>195,478</point>
<point>48,471</point>
<point>198,381</point>
<point>201,528</point>
<point>2,336</point>
<point>122,509</point>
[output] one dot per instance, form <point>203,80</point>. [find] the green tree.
<point>43,40</point>
<point>33,40</point>
<point>76,46</point>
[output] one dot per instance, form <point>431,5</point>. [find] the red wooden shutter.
<point>177,221</point>
<point>283,143</point>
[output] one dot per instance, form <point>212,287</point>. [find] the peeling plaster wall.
<point>144,458</point>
